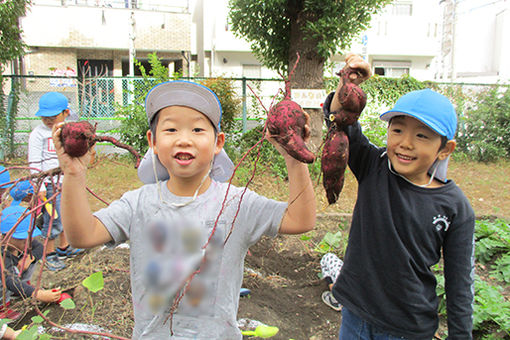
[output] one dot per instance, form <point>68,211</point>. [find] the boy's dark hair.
<point>154,124</point>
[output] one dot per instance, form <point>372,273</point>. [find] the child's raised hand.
<point>48,295</point>
<point>355,61</point>
<point>68,164</point>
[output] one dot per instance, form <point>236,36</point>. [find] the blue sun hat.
<point>10,217</point>
<point>52,104</point>
<point>195,96</point>
<point>432,109</point>
<point>5,177</point>
<point>20,191</point>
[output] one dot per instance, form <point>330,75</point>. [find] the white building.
<point>449,40</point>
<point>475,42</point>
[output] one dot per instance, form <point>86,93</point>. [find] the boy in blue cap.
<point>188,233</point>
<point>406,213</point>
<point>19,268</point>
<point>53,109</point>
<point>5,177</point>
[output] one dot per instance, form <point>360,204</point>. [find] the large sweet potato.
<point>78,137</point>
<point>335,155</point>
<point>286,124</point>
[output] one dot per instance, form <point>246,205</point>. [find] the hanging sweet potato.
<point>335,153</point>
<point>286,123</point>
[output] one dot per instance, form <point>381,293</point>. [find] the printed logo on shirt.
<point>51,146</point>
<point>441,222</point>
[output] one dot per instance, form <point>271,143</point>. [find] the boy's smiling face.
<point>185,143</point>
<point>412,148</point>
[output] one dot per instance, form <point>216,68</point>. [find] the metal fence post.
<point>245,114</point>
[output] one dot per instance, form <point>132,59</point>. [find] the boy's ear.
<point>447,149</point>
<point>150,140</point>
<point>67,112</point>
<point>220,141</point>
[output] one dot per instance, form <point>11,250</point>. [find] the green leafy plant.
<point>492,238</point>
<point>31,332</point>
<point>490,306</point>
<point>230,102</point>
<point>501,268</point>
<point>94,282</point>
<point>484,130</point>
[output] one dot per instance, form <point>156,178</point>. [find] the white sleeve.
<point>35,151</point>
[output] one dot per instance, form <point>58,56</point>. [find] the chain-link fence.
<point>97,99</point>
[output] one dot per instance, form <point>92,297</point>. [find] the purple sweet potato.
<point>286,124</point>
<point>78,137</point>
<point>335,155</point>
<point>351,97</point>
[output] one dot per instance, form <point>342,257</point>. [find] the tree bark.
<point>310,69</point>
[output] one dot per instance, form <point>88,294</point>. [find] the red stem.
<point>120,145</point>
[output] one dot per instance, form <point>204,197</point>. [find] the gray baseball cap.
<point>184,93</point>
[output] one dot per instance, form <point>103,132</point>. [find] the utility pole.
<point>132,54</point>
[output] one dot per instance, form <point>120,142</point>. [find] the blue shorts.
<point>354,328</point>
<point>56,228</point>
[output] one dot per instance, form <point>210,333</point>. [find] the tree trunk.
<point>309,71</point>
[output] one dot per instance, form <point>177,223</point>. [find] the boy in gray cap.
<point>188,233</point>
<point>406,213</point>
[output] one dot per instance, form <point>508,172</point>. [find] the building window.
<point>403,8</point>
<point>393,69</point>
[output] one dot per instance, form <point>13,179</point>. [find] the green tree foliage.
<point>269,25</point>
<point>11,45</point>
<point>11,48</point>
<point>484,128</point>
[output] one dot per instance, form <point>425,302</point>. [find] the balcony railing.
<point>174,6</point>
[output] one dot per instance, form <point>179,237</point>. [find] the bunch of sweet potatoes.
<point>335,153</point>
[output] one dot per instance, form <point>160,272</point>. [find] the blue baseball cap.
<point>430,107</point>
<point>52,104</point>
<point>10,217</point>
<point>21,190</point>
<point>5,177</point>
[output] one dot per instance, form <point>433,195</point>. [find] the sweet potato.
<point>78,137</point>
<point>351,97</point>
<point>335,155</point>
<point>286,124</point>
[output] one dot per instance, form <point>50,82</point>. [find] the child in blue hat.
<point>407,213</point>
<point>5,178</point>
<point>18,267</point>
<point>53,109</point>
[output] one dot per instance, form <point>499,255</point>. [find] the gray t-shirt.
<point>167,239</point>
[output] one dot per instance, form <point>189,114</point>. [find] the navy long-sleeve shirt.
<point>398,231</point>
<point>14,282</point>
